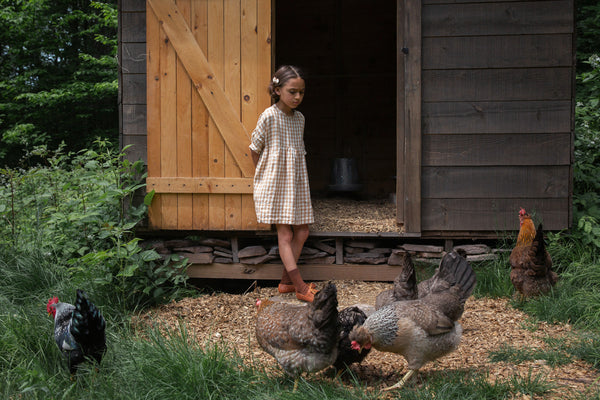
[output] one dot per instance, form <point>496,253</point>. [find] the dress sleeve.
<point>257,143</point>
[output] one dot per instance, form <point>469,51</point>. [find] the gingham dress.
<point>281,190</point>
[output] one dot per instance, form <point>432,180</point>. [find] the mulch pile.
<point>339,214</point>
<point>489,324</point>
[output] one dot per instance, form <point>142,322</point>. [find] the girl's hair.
<point>282,75</point>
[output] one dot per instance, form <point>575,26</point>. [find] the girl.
<point>281,191</point>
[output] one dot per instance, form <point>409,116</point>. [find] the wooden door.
<point>408,127</point>
<point>208,63</point>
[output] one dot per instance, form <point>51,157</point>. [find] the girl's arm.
<point>255,157</point>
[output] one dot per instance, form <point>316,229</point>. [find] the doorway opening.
<point>348,52</point>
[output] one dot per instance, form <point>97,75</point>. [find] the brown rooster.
<point>425,329</point>
<point>531,265</point>
<point>301,337</point>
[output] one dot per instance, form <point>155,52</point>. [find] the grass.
<point>514,355</point>
<point>476,386</point>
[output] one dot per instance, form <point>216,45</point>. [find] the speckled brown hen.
<point>301,337</point>
<point>531,265</point>
<point>425,329</point>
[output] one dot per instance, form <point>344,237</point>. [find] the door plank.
<point>216,144</point>
<point>184,131</point>
<point>200,118</point>
<point>168,124</point>
<point>232,69</point>
<point>174,184</point>
<point>153,113</point>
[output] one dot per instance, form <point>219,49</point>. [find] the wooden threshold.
<point>311,272</point>
<point>316,234</point>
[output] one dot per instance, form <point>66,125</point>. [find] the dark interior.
<point>348,52</point>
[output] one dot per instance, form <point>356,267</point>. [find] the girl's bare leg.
<point>291,240</point>
<point>299,235</point>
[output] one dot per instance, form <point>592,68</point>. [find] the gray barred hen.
<point>301,337</point>
<point>425,329</point>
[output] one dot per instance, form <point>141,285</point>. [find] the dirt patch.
<point>488,325</point>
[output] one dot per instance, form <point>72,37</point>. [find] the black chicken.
<point>348,318</point>
<point>79,330</point>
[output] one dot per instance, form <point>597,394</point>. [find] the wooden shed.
<point>460,111</point>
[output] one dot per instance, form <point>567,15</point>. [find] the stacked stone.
<point>223,251</point>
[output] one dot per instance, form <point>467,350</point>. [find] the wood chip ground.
<point>489,324</point>
<point>339,214</point>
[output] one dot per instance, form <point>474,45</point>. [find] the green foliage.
<point>586,197</point>
<point>58,75</point>
<point>78,210</point>
<point>588,30</point>
<point>493,278</point>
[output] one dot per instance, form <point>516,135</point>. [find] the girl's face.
<point>290,95</point>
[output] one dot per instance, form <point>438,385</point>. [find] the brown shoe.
<point>309,296</point>
<point>285,288</point>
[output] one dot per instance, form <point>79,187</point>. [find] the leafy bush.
<point>78,208</point>
<point>586,197</point>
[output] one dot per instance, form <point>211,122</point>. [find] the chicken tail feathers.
<point>455,270</point>
<point>541,263</point>
<point>325,313</point>
<point>405,284</point>
<point>88,326</point>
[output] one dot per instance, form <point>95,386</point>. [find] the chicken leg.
<point>401,382</point>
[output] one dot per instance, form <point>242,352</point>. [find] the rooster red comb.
<point>522,212</point>
<point>51,310</point>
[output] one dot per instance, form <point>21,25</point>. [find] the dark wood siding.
<point>497,97</point>
<point>132,77</point>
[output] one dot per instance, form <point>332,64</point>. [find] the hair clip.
<point>275,80</point>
